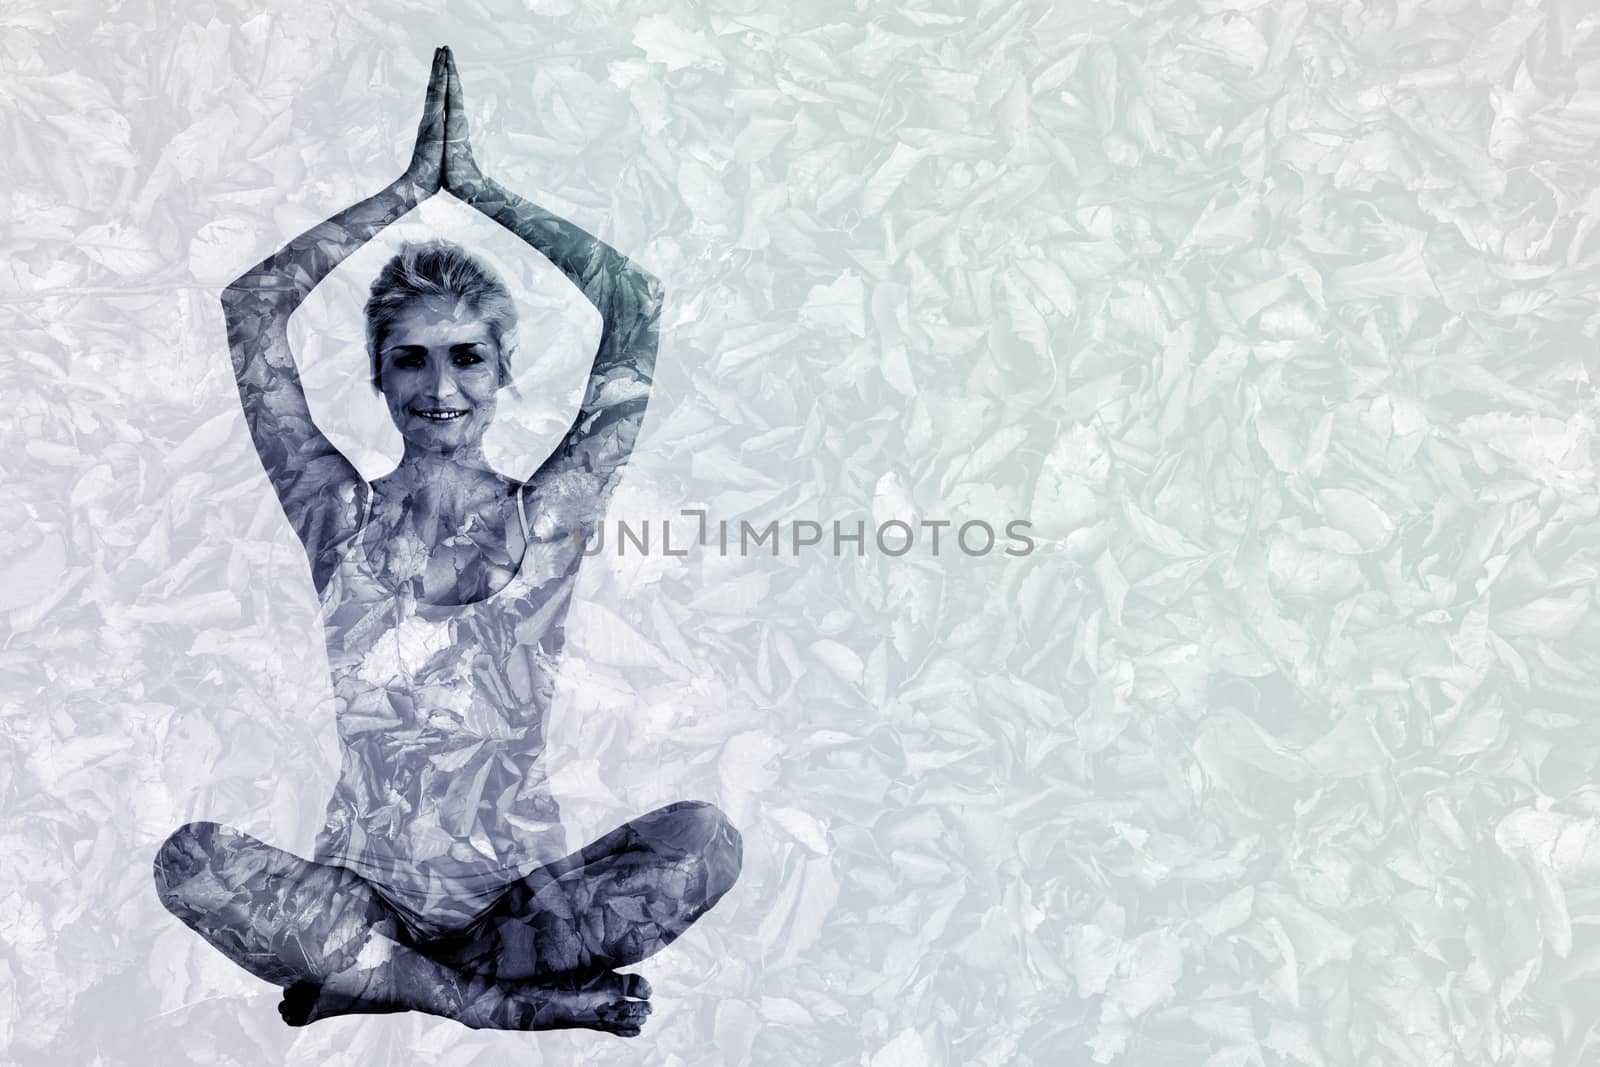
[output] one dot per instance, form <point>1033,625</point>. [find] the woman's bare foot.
<point>611,1002</point>
<point>306,1002</point>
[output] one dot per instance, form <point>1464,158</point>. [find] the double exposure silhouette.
<point>444,586</point>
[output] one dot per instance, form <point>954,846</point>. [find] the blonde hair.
<point>439,268</point>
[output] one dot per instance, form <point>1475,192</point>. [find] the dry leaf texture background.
<point>1276,319</point>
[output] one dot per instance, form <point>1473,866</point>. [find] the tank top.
<point>442,799</point>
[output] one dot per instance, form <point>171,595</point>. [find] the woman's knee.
<point>180,856</point>
<point>189,851</point>
<point>694,828</point>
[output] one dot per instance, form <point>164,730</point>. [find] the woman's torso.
<point>441,717</point>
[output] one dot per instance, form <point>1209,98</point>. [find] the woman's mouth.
<point>438,414</point>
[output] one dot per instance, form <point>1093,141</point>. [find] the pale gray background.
<point>1276,318</point>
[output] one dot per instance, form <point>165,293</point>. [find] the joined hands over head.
<point>442,158</point>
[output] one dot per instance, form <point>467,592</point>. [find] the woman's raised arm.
<point>311,477</point>
<point>590,456</point>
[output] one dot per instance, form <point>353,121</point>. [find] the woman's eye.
<point>408,362</point>
<point>467,359</point>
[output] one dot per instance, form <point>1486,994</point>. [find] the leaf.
<point>120,249</point>
<point>1053,282</point>
<point>1158,535</point>
<point>31,574</point>
<point>664,41</point>
<point>839,659</point>
<point>1357,515</point>
<point>906,1050</point>
<point>805,828</point>
<point>1547,617</point>
<point>839,303</point>
<point>888,177</point>
<point>1290,448</point>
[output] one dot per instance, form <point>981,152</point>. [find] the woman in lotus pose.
<point>443,587</point>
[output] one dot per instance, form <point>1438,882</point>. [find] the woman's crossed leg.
<point>543,957</point>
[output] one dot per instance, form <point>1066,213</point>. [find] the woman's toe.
<point>298,1002</point>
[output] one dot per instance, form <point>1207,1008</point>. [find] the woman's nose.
<point>443,381</point>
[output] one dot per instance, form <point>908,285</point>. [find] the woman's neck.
<point>423,464</point>
<point>444,480</point>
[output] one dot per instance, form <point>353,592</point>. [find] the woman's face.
<point>439,370</point>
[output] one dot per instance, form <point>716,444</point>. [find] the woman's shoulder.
<point>561,502</point>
